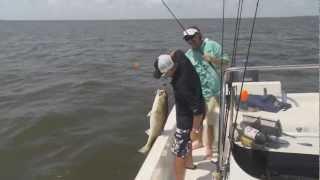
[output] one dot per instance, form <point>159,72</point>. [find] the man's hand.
<point>211,58</point>
<point>197,122</point>
<point>196,127</point>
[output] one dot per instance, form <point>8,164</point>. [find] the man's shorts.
<point>182,143</point>
<point>212,111</point>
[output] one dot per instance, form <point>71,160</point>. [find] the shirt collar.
<point>203,44</point>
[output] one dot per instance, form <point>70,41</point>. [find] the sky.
<point>148,9</point>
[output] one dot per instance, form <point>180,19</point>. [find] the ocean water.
<point>73,106</point>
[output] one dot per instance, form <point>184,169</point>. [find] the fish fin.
<point>149,114</point>
<point>144,149</point>
<point>147,132</point>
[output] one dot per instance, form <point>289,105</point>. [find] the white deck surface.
<point>304,113</point>
<point>204,167</point>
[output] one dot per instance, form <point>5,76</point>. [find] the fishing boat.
<point>292,154</point>
<point>273,133</point>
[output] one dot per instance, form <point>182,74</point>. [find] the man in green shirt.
<point>206,56</point>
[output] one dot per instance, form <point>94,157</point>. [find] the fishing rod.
<point>174,16</point>
<point>181,25</point>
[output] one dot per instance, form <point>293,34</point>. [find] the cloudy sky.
<point>146,9</point>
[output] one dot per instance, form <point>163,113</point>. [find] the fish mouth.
<point>161,92</point>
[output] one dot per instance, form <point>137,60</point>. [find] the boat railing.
<point>222,164</point>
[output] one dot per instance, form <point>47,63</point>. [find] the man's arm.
<point>213,54</point>
<point>197,122</point>
<point>190,86</point>
<point>196,127</point>
<point>191,91</point>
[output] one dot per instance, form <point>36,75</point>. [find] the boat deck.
<point>159,162</point>
<point>204,167</point>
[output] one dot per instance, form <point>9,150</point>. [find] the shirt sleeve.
<point>190,87</point>
<point>215,49</point>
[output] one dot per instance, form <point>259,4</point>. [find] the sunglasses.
<point>188,37</point>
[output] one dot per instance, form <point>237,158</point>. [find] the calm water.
<point>73,108</point>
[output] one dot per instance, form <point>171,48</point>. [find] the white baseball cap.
<point>162,65</point>
<point>190,32</point>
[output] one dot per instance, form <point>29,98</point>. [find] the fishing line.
<point>221,79</point>
<point>243,76</point>
<point>180,24</point>
<point>237,30</point>
<point>234,52</point>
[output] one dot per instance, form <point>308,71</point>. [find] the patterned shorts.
<point>182,143</point>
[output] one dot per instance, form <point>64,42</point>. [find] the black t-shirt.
<point>187,91</point>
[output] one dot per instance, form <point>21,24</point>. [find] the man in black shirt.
<point>190,105</point>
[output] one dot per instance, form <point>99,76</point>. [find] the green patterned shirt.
<point>209,74</point>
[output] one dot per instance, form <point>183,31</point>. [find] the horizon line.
<point>128,19</point>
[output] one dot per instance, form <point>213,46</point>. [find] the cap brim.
<point>157,74</point>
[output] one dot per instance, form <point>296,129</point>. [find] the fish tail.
<point>144,149</point>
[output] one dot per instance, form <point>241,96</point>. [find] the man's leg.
<point>211,117</point>
<point>196,136</point>
<point>179,168</point>
<point>189,159</point>
<point>209,137</point>
<point>182,163</point>
<point>182,149</point>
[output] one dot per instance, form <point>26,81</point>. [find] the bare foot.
<point>208,155</point>
<point>191,167</point>
<point>196,145</point>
